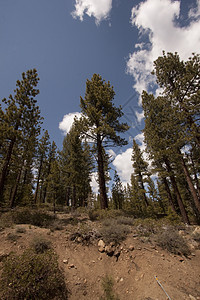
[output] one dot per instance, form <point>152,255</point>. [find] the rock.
<point>131,248</point>
<point>79,239</point>
<point>65,261</point>
<point>101,244</point>
<point>101,249</point>
<point>112,244</point>
<point>84,293</point>
<point>196,231</point>
<point>121,279</point>
<point>117,253</point>
<point>109,250</point>
<point>192,297</point>
<point>71,266</point>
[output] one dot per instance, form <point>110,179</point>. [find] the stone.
<point>71,266</point>
<point>131,248</point>
<point>79,239</point>
<point>192,297</point>
<point>65,261</point>
<point>101,244</point>
<point>109,250</point>
<point>101,249</point>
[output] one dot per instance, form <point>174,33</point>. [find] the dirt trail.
<point>133,273</point>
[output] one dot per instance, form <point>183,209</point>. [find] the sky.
<point>67,41</point>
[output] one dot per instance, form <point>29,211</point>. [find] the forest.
<point>33,172</point>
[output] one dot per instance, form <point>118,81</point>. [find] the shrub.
<point>111,231</point>
<point>173,242</point>
<point>107,285</point>
<point>20,230</point>
<point>32,276</point>
<point>93,215</point>
<point>125,220</point>
<point>33,217</point>
<point>40,245</point>
<point>12,237</point>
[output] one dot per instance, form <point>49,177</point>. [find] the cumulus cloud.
<point>123,165</point>
<point>157,22</point>
<point>94,184</point>
<point>195,12</point>
<point>99,9</point>
<point>67,121</point>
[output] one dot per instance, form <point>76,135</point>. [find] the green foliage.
<point>32,276</point>
<point>172,242</point>
<point>100,123</point>
<point>12,237</point>
<point>32,217</point>
<point>107,284</point>
<point>112,231</point>
<point>125,220</point>
<point>20,230</point>
<point>40,244</point>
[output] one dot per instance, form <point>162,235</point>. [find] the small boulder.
<point>109,250</point>
<point>101,244</point>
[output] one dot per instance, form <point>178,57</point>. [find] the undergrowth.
<point>32,276</point>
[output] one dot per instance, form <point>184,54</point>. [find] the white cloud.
<point>67,121</point>
<point>123,165</point>
<point>156,21</point>
<point>99,9</point>
<point>111,153</point>
<point>195,12</point>
<point>139,116</point>
<point>94,184</point>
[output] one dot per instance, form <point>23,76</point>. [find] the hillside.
<point>132,263</point>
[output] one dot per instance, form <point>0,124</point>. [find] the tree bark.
<point>177,193</point>
<point>5,167</point>
<point>101,174</point>
<point>14,192</point>
<point>38,179</point>
<point>190,183</point>
<point>171,203</point>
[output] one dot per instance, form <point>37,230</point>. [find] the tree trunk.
<point>74,196</point>
<point>5,167</point>
<point>14,192</point>
<point>102,182</point>
<point>177,193</point>
<point>190,183</point>
<point>144,194</point>
<point>171,203</point>
<point>38,179</point>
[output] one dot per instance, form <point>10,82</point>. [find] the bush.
<point>20,230</point>
<point>32,276</point>
<point>172,242</point>
<point>111,231</point>
<point>93,215</point>
<point>40,245</point>
<point>12,237</point>
<point>107,285</point>
<point>33,217</point>
<point>125,220</point>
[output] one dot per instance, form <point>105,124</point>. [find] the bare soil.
<point>133,272</point>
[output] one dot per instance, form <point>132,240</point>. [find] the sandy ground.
<point>133,273</point>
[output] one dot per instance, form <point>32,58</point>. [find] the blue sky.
<point>68,41</point>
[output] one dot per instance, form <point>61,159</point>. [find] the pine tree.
<point>21,113</point>
<point>117,192</point>
<point>43,147</point>
<point>140,169</point>
<point>100,123</point>
<point>76,167</point>
<point>181,83</point>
